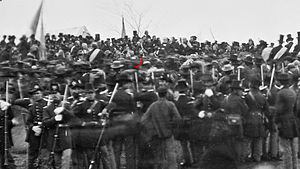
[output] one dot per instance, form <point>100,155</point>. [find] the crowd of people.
<point>84,85</point>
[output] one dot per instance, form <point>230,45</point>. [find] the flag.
<point>36,18</point>
<point>42,49</point>
<point>37,28</point>
<point>123,29</point>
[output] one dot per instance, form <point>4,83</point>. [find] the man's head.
<point>162,92</point>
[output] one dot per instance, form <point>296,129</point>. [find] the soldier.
<point>35,127</point>
<point>235,108</point>
<point>160,114</point>
<point>55,119</point>
<point>185,109</point>
<point>87,111</point>
<point>144,100</point>
<point>124,109</point>
<point>208,101</point>
<point>286,120</point>
<point>11,121</point>
<point>254,124</point>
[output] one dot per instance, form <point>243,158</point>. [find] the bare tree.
<point>136,19</point>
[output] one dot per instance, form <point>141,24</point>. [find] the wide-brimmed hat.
<point>116,64</point>
<point>227,67</point>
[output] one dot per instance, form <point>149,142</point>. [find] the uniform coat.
<point>286,120</point>
<point>64,137</point>
<point>254,119</point>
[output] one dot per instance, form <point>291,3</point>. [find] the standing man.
<point>34,122</point>
<point>124,109</point>
<point>236,108</point>
<point>254,129</point>
<point>58,140</point>
<point>286,121</point>
<point>185,109</point>
<point>161,114</point>
<point>87,111</point>
<point>11,121</point>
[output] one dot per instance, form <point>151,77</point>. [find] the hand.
<point>4,105</point>
<point>201,114</point>
<point>58,110</point>
<point>37,130</point>
<point>104,112</point>
<point>58,117</point>
<point>209,92</point>
<point>15,122</point>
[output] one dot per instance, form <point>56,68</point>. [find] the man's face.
<point>37,95</point>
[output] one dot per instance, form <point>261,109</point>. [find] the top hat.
<point>116,64</point>
<point>181,86</point>
<point>281,38</point>
<point>289,38</point>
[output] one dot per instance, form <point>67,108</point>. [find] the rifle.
<point>38,161</point>
<point>6,131</point>
<point>93,161</point>
<point>52,153</point>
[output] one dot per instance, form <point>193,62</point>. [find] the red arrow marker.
<point>139,64</point>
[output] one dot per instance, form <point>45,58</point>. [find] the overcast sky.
<point>228,20</point>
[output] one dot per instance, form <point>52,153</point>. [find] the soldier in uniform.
<point>235,108</point>
<point>208,101</point>
<point>11,121</point>
<point>55,119</point>
<point>254,127</point>
<point>144,100</point>
<point>286,120</point>
<point>123,110</point>
<point>87,111</point>
<point>185,109</point>
<point>35,127</point>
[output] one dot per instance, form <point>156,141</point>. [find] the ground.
<point>20,146</point>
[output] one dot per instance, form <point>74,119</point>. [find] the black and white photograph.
<point>149,84</point>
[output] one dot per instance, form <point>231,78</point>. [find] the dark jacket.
<point>88,110</point>
<point>35,118</point>
<point>124,102</point>
<point>64,137</point>
<point>255,118</point>
<point>146,98</point>
<point>285,118</point>
<point>159,117</point>
<point>184,107</point>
